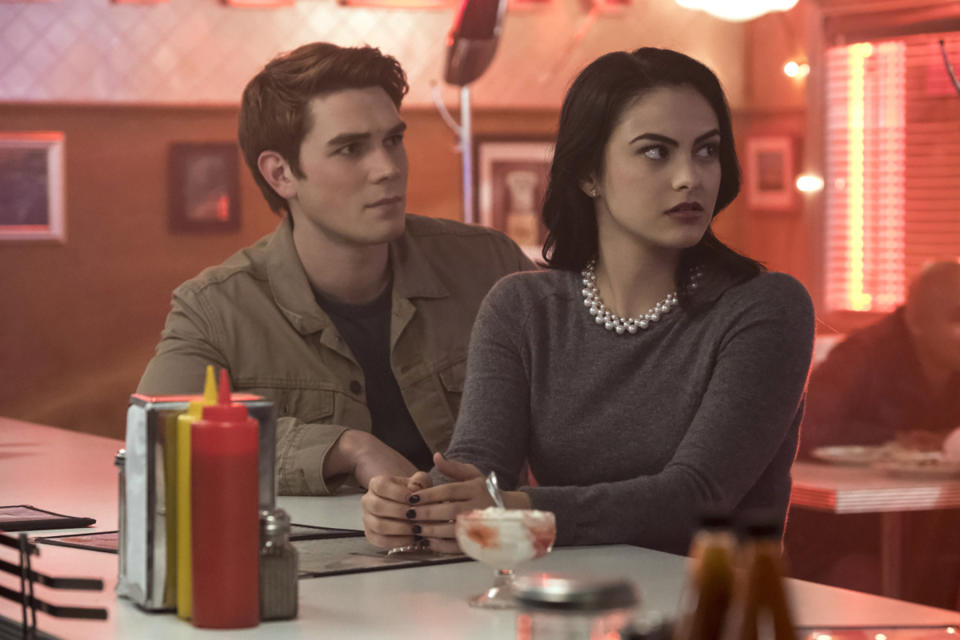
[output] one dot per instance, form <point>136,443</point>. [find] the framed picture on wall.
<point>511,182</point>
<point>769,173</point>
<point>31,186</point>
<point>204,190</point>
<point>524,5</point>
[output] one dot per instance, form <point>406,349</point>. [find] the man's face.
<point>355,169</point>
<point>933,314</point>
<point>939,331</point>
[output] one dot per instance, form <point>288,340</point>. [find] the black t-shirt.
<point>366,330</point>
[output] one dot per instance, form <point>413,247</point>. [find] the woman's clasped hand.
<point>400,511</point>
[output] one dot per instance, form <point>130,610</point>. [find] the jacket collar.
<point>413,277</point>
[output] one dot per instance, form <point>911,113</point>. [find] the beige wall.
<point>203,52</point>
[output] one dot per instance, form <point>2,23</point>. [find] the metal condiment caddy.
<point>147,559</point>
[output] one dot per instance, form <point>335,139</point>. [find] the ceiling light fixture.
<point>738,10</point>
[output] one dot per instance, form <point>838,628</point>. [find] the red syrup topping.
<point>483,535</point>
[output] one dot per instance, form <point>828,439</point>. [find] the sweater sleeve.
<point>750,405</point>
<point>494,420</point>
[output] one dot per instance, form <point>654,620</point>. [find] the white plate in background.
<point>854,454</point>
<point>929,468</point>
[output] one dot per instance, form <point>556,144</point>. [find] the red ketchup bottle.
<point>225,518</point>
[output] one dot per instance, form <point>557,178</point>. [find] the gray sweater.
<point>630,436</point>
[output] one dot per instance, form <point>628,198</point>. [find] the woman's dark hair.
<point>591,109</point>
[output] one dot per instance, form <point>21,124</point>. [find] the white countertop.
<point>73,473</point>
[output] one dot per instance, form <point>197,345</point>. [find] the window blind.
<point>892,181</point>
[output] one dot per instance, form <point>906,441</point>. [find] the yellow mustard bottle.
<point>184,542</point>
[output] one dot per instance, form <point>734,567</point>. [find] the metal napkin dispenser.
<point>147,519</point>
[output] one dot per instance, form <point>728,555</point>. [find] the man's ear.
<point>276,171</point>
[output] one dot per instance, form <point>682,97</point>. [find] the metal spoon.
<point>494,489</point>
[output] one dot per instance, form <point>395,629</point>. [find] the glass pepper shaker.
<point>278,567</point>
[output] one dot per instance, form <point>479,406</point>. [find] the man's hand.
<point>365,456</point>
<point>920,440</point>
<point>387,506</point>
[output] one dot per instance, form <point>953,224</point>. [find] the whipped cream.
<point>505,538</point>
<point>509,514</point>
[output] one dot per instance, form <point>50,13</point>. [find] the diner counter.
<point>846,489</point>
<point>860,489</point>
<point>73,473</point>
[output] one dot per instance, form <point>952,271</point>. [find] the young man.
<point>353,317</point>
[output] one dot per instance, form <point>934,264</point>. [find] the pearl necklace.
<point>611,321</point>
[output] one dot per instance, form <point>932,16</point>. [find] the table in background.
<point>851,489</point>
<point>73,473</point>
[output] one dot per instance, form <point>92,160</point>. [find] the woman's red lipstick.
<point>686,207</point>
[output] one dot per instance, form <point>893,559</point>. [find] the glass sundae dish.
<point>504,539</point>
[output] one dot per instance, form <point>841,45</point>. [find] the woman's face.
<point>661,174</point>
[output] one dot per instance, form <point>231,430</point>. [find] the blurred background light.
<point>738,10</point>
<point>796,69</point>
<point>809,183</point>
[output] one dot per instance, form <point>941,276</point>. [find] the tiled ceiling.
<point>203,52</point>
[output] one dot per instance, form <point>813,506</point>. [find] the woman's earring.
<point>594,192</point>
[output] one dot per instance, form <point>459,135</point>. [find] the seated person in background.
<point>897,380</point>
<point>352,317</point>
<point>651,371</point>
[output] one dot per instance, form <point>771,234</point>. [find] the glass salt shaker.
<point>554,607</point>
<point>278,567</point>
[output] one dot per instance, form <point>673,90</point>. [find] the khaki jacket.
<point>256,315</point>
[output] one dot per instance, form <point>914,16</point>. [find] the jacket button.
<point>355,387</point>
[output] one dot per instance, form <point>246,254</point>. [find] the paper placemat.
<point>336,556</point>
<point>108,541</point>
<point>25,517</point>
<point>103,541</point>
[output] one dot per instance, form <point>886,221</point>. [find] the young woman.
<point>651,371</point>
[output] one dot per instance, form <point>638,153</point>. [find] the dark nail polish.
<point>411,514</point>
<point>414,499</point>
<point>417,528</point>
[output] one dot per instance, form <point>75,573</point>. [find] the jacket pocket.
<point>452,379</point>
<point>307,405</point>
